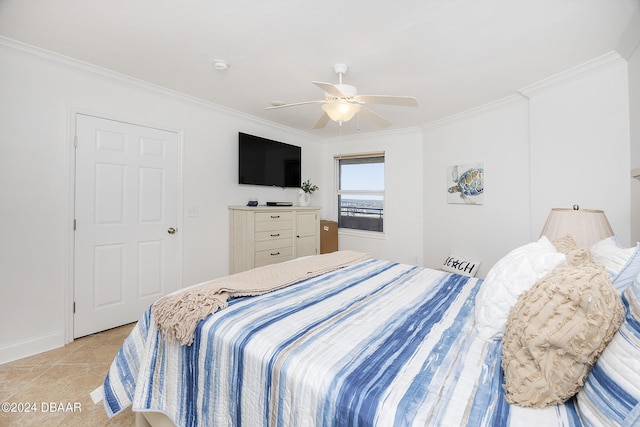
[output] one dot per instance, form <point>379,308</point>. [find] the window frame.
<point>340,192</point>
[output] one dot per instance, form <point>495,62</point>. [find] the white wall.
<point>580,145</point>
<point>565,142</point>
<point>401,240</point>
<point>496,135</point>
<point>39,94</point>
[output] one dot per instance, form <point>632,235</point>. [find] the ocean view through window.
<point>361,192</point>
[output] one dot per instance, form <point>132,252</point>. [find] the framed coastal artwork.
<point>466,183</point>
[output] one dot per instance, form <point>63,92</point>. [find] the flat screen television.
<point>263,161</point>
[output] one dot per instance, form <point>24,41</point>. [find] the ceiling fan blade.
<point>295,104</point>
<point>405,101</point>
<point>375,118</point>
<point>329,88</point>
<point>322,121</point>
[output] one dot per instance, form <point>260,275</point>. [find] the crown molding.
<point>594,66</point>
<point>75,65</point>
<point>473,111</point>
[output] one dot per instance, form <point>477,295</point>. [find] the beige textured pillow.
<point>565,244</point>
<point>555,333</point>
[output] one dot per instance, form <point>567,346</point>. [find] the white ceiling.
<point>451,55</point>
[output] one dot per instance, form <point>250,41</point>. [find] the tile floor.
<point>65,375</point>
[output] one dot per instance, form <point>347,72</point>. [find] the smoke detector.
<point>220,64</point>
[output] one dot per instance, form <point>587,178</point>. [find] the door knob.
<point>171,230</point>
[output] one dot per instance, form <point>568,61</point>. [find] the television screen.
<point>266,162</point>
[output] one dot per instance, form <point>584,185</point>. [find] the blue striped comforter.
<point>374,344</point>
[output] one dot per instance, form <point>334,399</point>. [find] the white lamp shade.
<point>341,110</point>
<point>586,226</point>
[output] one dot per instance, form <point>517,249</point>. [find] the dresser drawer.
<point>273,225</point>
<point>273,235</point>
<point>267,245</point>
<point>274,216</point>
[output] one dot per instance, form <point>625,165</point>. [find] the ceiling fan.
<point>341,102</point>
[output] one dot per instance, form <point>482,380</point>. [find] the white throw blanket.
<point>177,315</point>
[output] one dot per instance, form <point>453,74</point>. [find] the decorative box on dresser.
<point>263,235</point>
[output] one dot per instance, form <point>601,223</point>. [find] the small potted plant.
<point>305,192</point>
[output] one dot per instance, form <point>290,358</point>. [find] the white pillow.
<point>622,264</point>
<point>610,253</point>
<point>457,264</point>
<point>508,278</point>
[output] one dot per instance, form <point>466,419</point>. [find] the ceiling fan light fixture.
<point>342,102</point>
<point>341,111</point>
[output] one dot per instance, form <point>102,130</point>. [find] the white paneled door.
<point>126,212</point>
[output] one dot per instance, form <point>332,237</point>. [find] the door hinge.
<point>74,224</point>
<point>75,141</point>
<point>74,307</point>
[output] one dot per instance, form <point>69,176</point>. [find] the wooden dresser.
<point>265,235</point>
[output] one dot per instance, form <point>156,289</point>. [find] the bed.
<point>376,343</point>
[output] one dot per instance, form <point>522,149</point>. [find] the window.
<point>361,191</point>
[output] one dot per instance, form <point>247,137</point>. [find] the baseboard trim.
<point>31,346</point>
